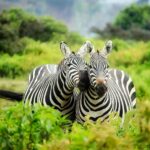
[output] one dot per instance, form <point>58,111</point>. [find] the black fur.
<point>101,89</point>
<point>11,95</point>
<point>84,82</point>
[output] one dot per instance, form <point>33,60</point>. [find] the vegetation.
<point>131,23</point>
<point>27,41</point>
<point>16,24</point>
<point>44,128</point>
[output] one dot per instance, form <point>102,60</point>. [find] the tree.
<point>132,23</point>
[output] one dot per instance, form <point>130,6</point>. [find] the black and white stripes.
<point>57,89</point>
<point>110,90</point>
<point>102,89</point>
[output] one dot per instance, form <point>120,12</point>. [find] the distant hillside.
<point>79,15</point>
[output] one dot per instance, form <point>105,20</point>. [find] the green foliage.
<point>74,37</point>
<point>131,23</point>
<point>130,56</point>
<point>35,41</point>
<point>16,24</point>
<point>134,16</point>
<point>9,24</point>
<point>11,66</point>
<point>24,127</point>
<point>43,29</point>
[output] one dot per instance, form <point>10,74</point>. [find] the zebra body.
<point>57,89</point>
<point>51,90</point>
<point>110,90</point>
<point>120,97</point>
<point>41,71</point>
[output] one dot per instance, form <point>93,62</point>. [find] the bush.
<point>27,127</point>
<point>131,23</point>
<point>42,127</point>
<point>74,37</point>
<point>146,57</point>
<point>42,29</point>
<point>9,24</point>
<point>134,16</point>
<point>16,24</point>
<point>11,66</point>
<point>10,70</point>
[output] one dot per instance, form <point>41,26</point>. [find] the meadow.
<point>46,129</point>
<point>43,127</point>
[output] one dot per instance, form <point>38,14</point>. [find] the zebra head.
<point>73,63</point>
<point>98,69</point>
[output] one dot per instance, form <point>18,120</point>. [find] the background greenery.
<point>132,23</point>
<point>27,41</point>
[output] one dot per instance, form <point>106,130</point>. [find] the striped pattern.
<point>56,89</point>
<point>110,90</point>
<point>41,71</point>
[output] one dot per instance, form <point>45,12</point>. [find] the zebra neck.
<point>64,83</point>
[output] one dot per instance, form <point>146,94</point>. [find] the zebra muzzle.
<point>101,87</point>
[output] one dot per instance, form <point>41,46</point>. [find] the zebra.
<point>110,90</point>
<point>40,71</point>
<point>57,89</point>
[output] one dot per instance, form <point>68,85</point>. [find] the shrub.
<point>38,127</point>
<point>42,29</point>
<point>75,38</point>
<point>146,57</point>
<point>16,24</point>
<point>134,15</point>
<point>9,24</point>
<point>27,127</point>
<point>10,70</point>
<point>131,23</point>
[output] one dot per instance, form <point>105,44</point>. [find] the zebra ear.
<point>87,47</point>
<point>107,48</point>
<point>65,49</point>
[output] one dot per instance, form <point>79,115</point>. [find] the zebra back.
<point>41,71</point>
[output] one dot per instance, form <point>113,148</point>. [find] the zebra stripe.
<point>57,89</point>
<point>110,90</point>
<point>41,71</point>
